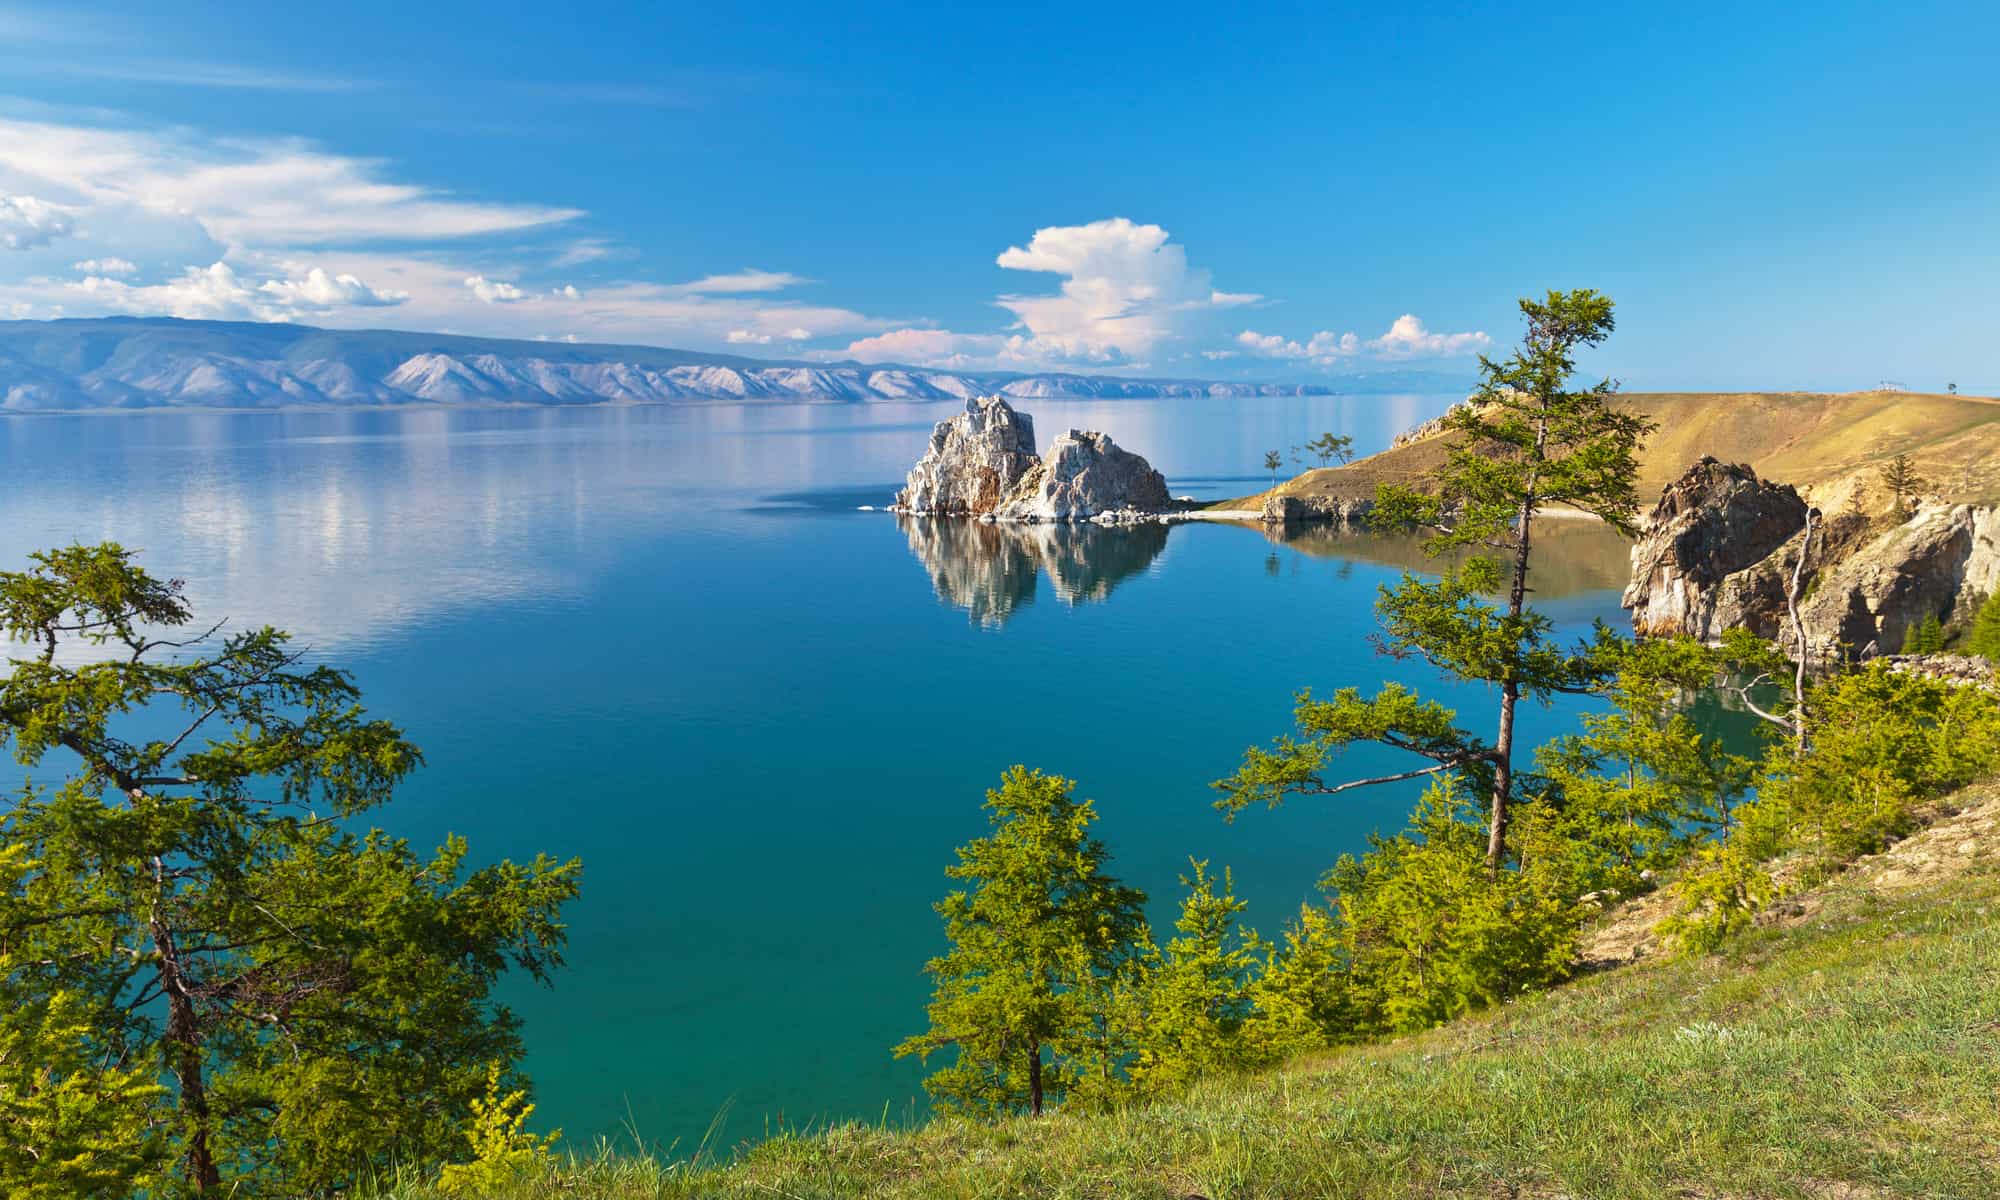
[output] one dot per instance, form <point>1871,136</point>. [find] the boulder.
<point>1084,474</point>
<point>1305,510</point>
<point>1715,520</point>
<point>973,461</point>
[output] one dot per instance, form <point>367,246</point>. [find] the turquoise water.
<point>665,640</point>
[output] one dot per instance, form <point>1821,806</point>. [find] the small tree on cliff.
<point>193,907</point>
<point>1527,441</point>
<point>1037,930</point>
<point>1272,461</point>
<point>1329,446</point>
<point>1900,476</point>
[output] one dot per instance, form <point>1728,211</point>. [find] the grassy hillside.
<point>1850,1049</point>
<point>1829,445</point>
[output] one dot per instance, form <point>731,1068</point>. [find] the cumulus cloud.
<point>219,292</point>
<point>1125,289</point>
<point>746,337</point>
<point>1407,338</point>
<point>105,266</point>
<point>928,348</point>
<point>26,222</point>
<point>317,289</point>
<point>494,291</point>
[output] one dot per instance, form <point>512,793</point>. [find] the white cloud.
<point>26,222</point>
<point>744,337</point>
<point>1125,289</point>
<point>1218,355</point>
<point>318,290</point>
<point>218,292</point>
<point>566,292</point>
<point>248,194</point>
<point>494,291</point>
<point>105,266</point>
<point>748,280</point>
<point>797,334</point>
<point>1407,338</point>
<point>928,348</point>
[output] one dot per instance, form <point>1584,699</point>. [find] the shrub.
<point>1984,637</point>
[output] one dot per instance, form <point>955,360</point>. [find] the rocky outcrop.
<point>1868,603</point>
<point>973,462</point>
<point>1281,509</point>
<point>982,463</point>
<point>1715,520</point>
<point>1721,547</point>
<point>1085,474</point>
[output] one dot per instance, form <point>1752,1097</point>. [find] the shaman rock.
<point>973,461</point>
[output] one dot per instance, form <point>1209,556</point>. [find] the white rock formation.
<point>974,460</point>
<point>1084,474</point>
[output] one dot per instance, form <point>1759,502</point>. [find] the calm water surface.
<point>666,641</point>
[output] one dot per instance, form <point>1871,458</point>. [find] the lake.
<point>667,641</point>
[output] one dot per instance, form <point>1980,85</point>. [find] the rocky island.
<point>982,463</point>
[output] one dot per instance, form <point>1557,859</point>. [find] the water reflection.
<point>992,571</point>
<point>1572,556</point>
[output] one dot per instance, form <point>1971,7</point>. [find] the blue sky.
<point>1776,200</point>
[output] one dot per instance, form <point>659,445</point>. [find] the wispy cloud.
<point>188,73</point>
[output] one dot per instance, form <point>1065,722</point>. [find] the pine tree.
<point>309,999</point>
<point>1193,998</point>
<point>1900,476</point>
<point>1925,637</point>
<point>1034,935</point>
<point>1300,998</point>
<point>1526,442</point>
<point>1984,637</point>
<point>1272,461</point>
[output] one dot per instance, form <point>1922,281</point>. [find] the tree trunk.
<point>1035,1079</point>
<point>183,1051</point>
<point>1510,689</point>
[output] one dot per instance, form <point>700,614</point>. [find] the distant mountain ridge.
<point>160,362</point>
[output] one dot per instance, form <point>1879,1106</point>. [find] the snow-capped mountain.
<point>128,362</point>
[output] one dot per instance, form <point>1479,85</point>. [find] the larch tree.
<point>1036,931</point>
<point>1901,477</point>
<point>260,995</point>
<point>1528,439</point>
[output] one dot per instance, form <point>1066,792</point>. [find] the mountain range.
<point>162,362</point>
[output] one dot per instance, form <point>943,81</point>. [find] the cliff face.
<point>1721,547</point>
<point>982,463</point>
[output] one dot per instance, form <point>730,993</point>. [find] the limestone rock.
<point>974,460</point>
<point>1084,474</point>
<point>1304,510</point>
<point>1715,520</point>
<point>1877,594</point>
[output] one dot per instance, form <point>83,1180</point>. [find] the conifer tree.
<point>1900,476</point>
<point>1984,637</point>
<point>1527,441</point>
<point>304,999</point>
<point>1272,461</point>
<point>1300,998</point>
<point>1034,934</point>
<point>1192,998</point>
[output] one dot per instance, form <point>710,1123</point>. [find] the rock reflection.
<point>993,570</point>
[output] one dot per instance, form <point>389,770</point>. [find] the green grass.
<point>1854,1056</point>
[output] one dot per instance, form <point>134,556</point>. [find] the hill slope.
<point>128,362</point>
<point>1830,445</point>
<point>1848,1051</point>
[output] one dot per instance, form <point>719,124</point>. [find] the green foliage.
<point>1272,461</point>
<point>1901,477</point>
<point>1984,637</point>
<point>196,901</point>
<point>1329,446</point>
<point>1880,743</point>
<point>1034,939</point>
<point>502,1148</point>
<point>1189,1004</point>
<point>1301,998</point>
<point>1925,637</point>
<point>1430,932</point>
<point>1640,785</point>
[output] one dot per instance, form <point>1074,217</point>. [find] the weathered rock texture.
<point>1721,547</point>
<point>973,462</point>
<point>1714,521</point>
<point>982,463</point>
<point>1284,509</point>
<point>1083,475</point>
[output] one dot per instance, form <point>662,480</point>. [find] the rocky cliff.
<point>982,463</point>
<point>1721,547</point>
